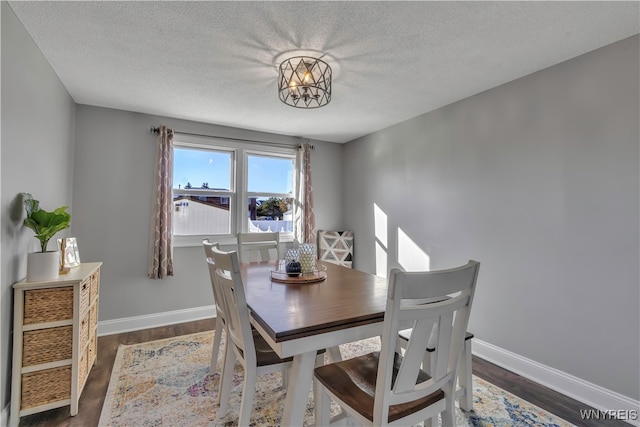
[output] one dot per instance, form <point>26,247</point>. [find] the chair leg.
<point>465,378</point>
<point>224,364</point>
<point>225,386</point>
<point>428,362</point>
<point>322,401</point>
<point>428,365</point>
<point>448,416</point>
<point>248,391</point>
<point>320,360</point>
<point>322,404</point>
<point>399,346</point>
<point>216,347</point>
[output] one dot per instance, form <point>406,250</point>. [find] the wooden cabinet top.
<point>75,275</point>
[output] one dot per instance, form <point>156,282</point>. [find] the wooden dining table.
<point>298,319</point>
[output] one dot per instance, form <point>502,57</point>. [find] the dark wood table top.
<point>347,298</point>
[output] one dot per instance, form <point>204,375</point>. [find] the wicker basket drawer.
<point>48,305</point>
<point>93,350</point>
<point>93,318</point>
<point>85,288</point>
<point>83,369</point>
<point>47,386</point>
<point>95,284</point>
<point>47,345</point>
<point>84,332</point>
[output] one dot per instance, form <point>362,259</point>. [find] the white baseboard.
<point>588,393</point>
<point>136,323</point>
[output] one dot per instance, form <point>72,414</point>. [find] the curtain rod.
<point>156,130</point>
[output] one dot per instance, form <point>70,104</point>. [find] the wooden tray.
<point>282,277</point>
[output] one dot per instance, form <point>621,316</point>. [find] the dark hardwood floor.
<point>541,396</point>
<point>98,381</point>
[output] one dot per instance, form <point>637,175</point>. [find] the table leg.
<point>295,403</point>
<point>334,354</point>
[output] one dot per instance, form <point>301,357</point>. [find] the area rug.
<point>167,383</point>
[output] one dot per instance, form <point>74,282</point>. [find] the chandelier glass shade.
<point>304,82</point>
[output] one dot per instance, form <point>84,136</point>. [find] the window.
<point>270,193</point>
<point>203,191</point>
<point>221,188</point>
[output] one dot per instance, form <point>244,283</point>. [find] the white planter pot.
<point>43,266</point>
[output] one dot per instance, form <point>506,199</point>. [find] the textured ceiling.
<point>216,62</point>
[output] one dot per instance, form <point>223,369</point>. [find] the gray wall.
<point>114,159</point>
<point>37,157</point>
<point>539,180</point>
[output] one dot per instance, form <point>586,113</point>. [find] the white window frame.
<point>238,194</point>
<point>247,194</point>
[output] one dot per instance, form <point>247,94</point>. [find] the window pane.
<point>200,215</point>
<point>194,168</point>
<point>270,175</point>
<point>270,214</point>
<point>206,199</point>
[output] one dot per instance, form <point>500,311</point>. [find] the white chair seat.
<point>355,380</point>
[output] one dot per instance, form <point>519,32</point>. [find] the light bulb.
<point>293,89</point>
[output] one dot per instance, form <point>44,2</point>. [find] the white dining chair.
<point>387,388</point>
<point>259,246</point>
<point>246,346</point>
<point>221,322</point>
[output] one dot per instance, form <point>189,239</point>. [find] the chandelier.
<point>304,82</point>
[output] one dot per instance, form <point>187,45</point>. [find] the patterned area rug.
<point>167,383</point>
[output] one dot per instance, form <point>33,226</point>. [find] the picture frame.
<point>69,254</point>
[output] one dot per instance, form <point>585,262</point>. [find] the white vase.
<point>43,266</point>
<point>307,257</point>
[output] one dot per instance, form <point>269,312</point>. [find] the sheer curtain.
<point>305,220</point>
<point>160,245</point>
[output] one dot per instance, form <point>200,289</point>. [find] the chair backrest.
<point>259,246</point>
<point>336,247</point>
<point>217,295</point>
<point>421,300</point>
<point>226,268</point>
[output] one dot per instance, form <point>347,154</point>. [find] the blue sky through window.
<point>198,166</point>
<point>266,174</point>
<point>270,174</point>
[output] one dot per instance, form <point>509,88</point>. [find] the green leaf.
<point>45,224</point>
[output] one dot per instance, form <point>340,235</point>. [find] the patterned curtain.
<point>304,215</point>
<point>160,247</point>
<point>309,213</point>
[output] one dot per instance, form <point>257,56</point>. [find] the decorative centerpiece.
<point>292,263</point>
<point>44,265</point>
<point>299,267</point>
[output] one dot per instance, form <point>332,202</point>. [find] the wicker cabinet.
<point>54,340</point>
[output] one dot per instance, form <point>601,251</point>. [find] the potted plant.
<point>44,265</point>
